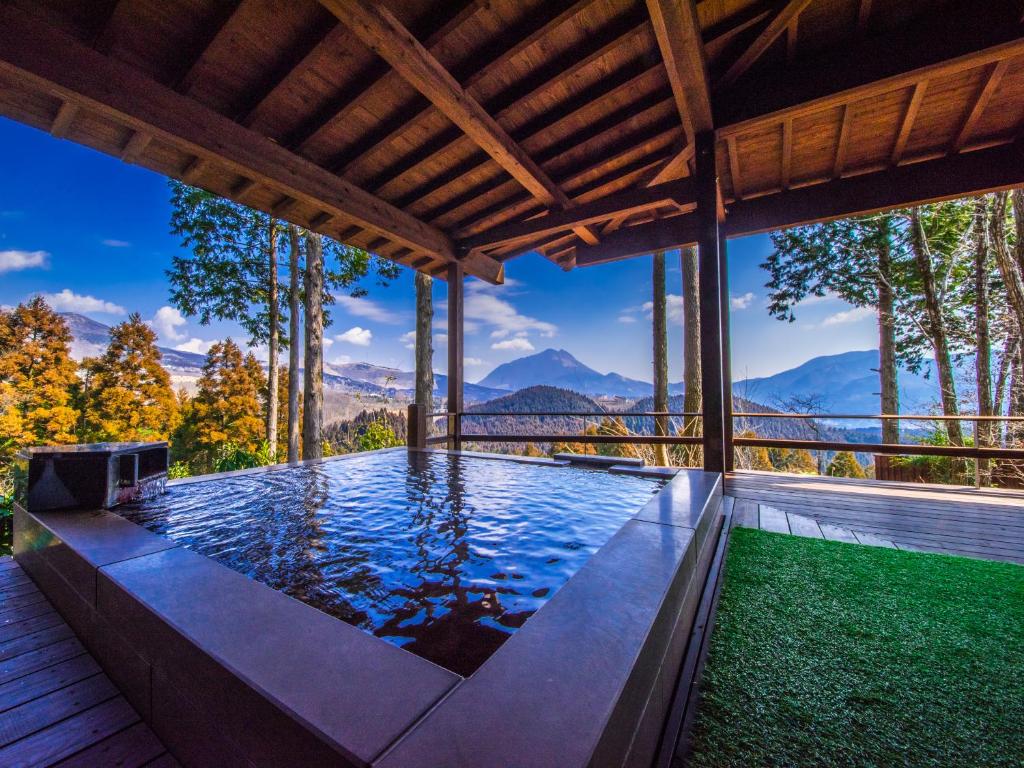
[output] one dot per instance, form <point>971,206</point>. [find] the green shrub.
<point>377,435</point>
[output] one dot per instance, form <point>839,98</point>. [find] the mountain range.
<point>845,382</point>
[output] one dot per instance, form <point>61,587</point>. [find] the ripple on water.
<point>444,556</point>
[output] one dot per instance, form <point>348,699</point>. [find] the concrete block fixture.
<point>231,671</point>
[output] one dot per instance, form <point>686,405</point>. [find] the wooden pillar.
<point>416,426</point>
<point>456,335</point>
<point>726,305</point>
<point>711,294</point>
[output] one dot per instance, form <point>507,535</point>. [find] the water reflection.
<point>444,556</point>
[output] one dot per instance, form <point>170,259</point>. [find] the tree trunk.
<point>313,384</point>
<point>1010,263</point>
<point>660,331</point>
<point>424,341</point>
<point>983,353</point>
<point>692,400</point>
<point>887,370</point>
<point>936,327</point>
<point>273,343</point>
<point>293,345</point>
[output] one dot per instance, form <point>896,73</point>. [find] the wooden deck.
<point>987,523</point>
<point>57,708</point>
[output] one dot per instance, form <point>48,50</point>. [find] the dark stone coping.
<point>598,461</point>
<point>657,472</point>
<point>536,460</point>
<point>231,672</point>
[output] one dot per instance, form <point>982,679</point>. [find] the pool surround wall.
<point>231,672</point>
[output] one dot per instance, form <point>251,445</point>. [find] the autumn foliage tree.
<point>128,392</point>
<point>38,381</point>
<point>228,403</point>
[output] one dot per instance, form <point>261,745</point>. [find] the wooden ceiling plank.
<point>907,124</point>
<point>682,49</point>
<point>385,35</point>
<point>66,114</point>
<point>943,45</point>
<point>764,41</point>
<point>792,33</point>
<point>863,15</point>
<point>212,33</point>
<point>734,167</point>
<point>988,88</point>
<point>54,62</point>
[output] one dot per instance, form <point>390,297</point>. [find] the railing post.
<point>709,277</point>
<point>416,428</point>
<point>456,338</point>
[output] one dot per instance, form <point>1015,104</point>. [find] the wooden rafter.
<point>988,88</point>
<point>907,123</point>
<point>843,143</point>
<point>764,41</point>
<point>135,146</point>
<point>66,114</point>
<point>787,153</point>
<point>682,49</point>
<point>384,34</point>
<point>56,63</point>
<point>792,34</point>
<point>863,15</point>
<point>215,30</point>
<point>734,167</point>
<point>624,203</point>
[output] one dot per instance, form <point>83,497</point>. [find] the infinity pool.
<point>444,556</point>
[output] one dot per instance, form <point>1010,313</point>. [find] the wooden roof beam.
<point>624,203</point>
<point>54,62</point>
<point>682,49</point>
<point>213,30</point>
<point>66,114</point>
<point>947,178</point>
<point>988,87</point>
<point>966,35</point>
<point>790,11</point>
<point>385,35</point>
<point>907,123</point>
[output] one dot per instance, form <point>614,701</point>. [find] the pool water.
<point>444,556</point>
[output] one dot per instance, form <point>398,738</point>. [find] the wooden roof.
<point>430,131</point>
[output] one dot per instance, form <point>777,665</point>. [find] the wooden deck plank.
<point>34,641</point>
<point>14,615</point>
<point>21,601</point>
<point>773,519</point>
<point>41,621</point>
<point>837,533</point>
<point>33,716</point>
<point>744,514</point>
<point>27,663</point>
<point>804,526</point>
<point>45,747</point>
<point>133,747</point>
<point>18,590</point>
<point>47,680</point>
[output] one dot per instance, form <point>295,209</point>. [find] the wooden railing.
<point>454,434</point>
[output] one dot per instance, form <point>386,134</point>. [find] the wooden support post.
<point>456,332</point>
<point>710,283</point>
<point>416,429</point>
<point>726,306</point>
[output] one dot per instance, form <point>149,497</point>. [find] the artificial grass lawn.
<point>831,654</point>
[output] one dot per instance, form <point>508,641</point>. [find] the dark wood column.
<point>711,295</point>
<point>456,335</point>
<point>726,306</point>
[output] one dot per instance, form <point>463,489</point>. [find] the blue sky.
<point>91,233</point>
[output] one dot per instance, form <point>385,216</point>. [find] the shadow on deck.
<point>57,708</point>
<point>986,523</point>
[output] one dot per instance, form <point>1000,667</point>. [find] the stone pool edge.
<point>615,633</point>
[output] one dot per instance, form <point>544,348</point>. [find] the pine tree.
<point>845,464</point>
<point>228,400</point>
<point>128,393</point>
<point>38,380</point>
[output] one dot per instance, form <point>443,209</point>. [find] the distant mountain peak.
<point>559,368</point>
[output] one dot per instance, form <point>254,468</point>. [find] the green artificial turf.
<point>828,654</point>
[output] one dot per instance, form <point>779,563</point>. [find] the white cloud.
<point>408,340</point>
<point>673,307</point>
<point>473,362</point>
<point>166,322</point>
<point>198,346</point>
<point>484,307</point>
<point>67,301</point>
<point>627,319</point>
<point>328,341</point>
<point>854,315</point>
<point>742,302</point>
<point>15,261</point>
<point>110,243</point>
<point>361,337</point>
<point>514,345</point>
<point>341,360</point>
<point>812,299</point>
<point>370,310</point>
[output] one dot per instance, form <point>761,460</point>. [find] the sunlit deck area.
<point>957,520</point>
